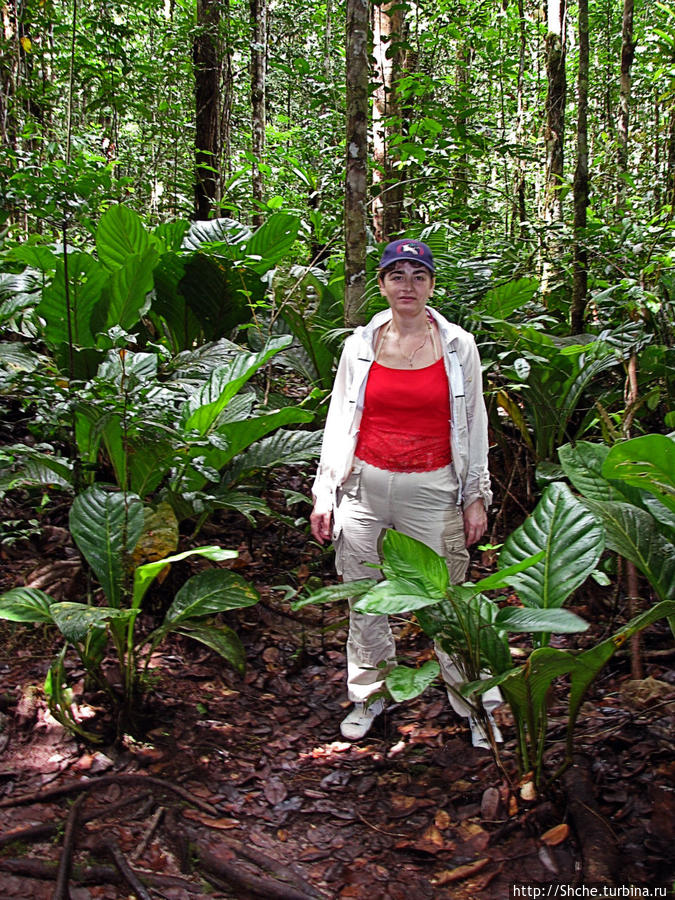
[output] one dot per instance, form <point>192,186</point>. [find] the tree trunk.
<point>670,178</point>
<point>357,160</point>
<point>227,94</point>
<point>387,30</point>
<point>207,60</point>
<point>519,211</point>
<point>258,112</point>
<point>460,175</point>
<point>580,279</point>
<point>554,138</point>
<point>627,54</point>
<point>555,108</point>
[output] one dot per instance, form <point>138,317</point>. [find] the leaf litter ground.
<point>244,788</point>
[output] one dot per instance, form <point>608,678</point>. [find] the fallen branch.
<point>61,891</point>
<point>47,829</point>
<point>127,872</point>
<point>288,884</point>
<point>45,871</point>
<point>44,796</point>
<point>147,837</point>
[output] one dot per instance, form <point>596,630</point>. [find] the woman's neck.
<point>406,325</point>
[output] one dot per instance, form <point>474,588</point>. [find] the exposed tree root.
<point>597,841</point>
<point>45,871</point>
<point>286,884</point>
<point>74,787</point>
<point>47,829</point>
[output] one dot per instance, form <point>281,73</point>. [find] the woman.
<point>405,447</point>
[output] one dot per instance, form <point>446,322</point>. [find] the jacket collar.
<point>448,330</point>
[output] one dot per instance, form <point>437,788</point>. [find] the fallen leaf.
<point>556,835</point>
<point>275,791</point>
<point>457,874</point>
<point>220,824</point>
<point>490,804</point>
<point>442,820</point>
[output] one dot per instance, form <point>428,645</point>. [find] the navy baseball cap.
<point>413,251</point>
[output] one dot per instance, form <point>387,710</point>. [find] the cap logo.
<point>411,248</point>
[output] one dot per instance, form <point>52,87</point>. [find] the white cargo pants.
<point>422,505</point>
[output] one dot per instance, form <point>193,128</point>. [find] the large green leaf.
<point>125,296</point>
<point>558,621</point>
<point>284,447</point>
<point>634,534</point>
<point>202,409</point>
<point>220,638</point>
<point>100,520</point>
<point>504,577</point>
<point>582,463</point>
<point>26,605</point>
<point>216,231</point>
<point>573,538</point>
<point>407,559</point>
<point>219,294</point>
<point>119,235</point>
<point>332,592</point>
<point>271,241</point>
<point>646,462</point>
<point>395,596</point>
<point>145,574</point>
<point>404,683</point>
<point>229,440</point>
<point>76,620</point>
<point>209,592</point>
<point>171,234</point>
<point>502,301</point>
<point>170,311</point>
<point>86,280</point>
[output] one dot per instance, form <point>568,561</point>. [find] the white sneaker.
<point>359,721</point>
<point>478,736</point>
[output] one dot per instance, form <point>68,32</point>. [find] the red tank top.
<point>405,425</point>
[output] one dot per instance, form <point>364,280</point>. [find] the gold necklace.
<point>417,350</point>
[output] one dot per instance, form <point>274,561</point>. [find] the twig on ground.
<point>127,872</point>
<point>150,831</point>
<point>65,864</point>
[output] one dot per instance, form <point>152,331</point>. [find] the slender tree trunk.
<point>554,137</point>
<point>227,94</point>
<point>460,186</point>
<point>356,184</point>
<point>519,212</point>
<point>555,108</point>
<point>670,176</point>
<point>580,279</point>
<point>258,111</point>
<point>387,30</point>
<point>206,57</point>
<point>627,55</point>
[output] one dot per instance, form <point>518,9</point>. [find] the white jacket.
<point>468,431</point>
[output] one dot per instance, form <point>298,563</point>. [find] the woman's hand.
<point>321,525</point>
<point>475,522</point>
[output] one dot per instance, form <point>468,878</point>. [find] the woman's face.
<point>407,287</point>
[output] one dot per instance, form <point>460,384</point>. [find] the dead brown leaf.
<point>556,835</point>
<point>461,872</point>
<point>221,824</point>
